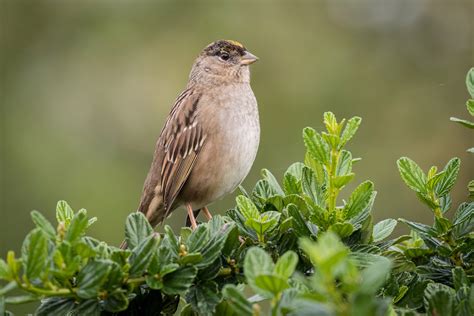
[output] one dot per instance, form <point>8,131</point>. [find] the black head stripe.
<point>230,47</point>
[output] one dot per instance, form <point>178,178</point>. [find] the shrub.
<point>296,247</point>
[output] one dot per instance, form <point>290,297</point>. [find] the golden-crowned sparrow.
<point>210,139</point>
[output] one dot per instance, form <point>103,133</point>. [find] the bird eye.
<point>224,56</point>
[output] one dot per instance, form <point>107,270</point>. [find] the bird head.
<point>224,61</point>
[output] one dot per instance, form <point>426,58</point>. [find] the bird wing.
<point>181,139</point>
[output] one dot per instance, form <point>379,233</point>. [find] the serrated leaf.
<point>143,254</point>
<point>383,229</point>
<point>91,278</point>
<point>35,254</point>
<point>465,123</point>
<point>310,187</point>
<point>344,163</point>
<point>272,181</point>
<point>246,207</point>
<point>137,228</point>
<point>179,281</point>
<point>204,297</point>
<point>463,223</point>
<point>412,174</point>
<point>330,121</point>
<point>360,200</point>
<point>42,223</point>
<point>286,264</point>
<point>64,212</point>
<point>198,239</point>
<point>450,174</point>
<point>291,185</point>
<point>349,131</point>
<point>213,248</point>
<point>316,145</point>
<point>77,227</point>
<point>116,302</point>
<point>439,299</point>
<point>237,301</point>
<point>265,222</point>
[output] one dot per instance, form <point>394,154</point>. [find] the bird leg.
<point>191,216</point>
<point>206,213</point>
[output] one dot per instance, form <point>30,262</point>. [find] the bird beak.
<point>248,58</point>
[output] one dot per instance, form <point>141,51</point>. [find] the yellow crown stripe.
<point>235,43</point>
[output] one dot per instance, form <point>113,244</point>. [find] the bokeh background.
<point>86,86</point>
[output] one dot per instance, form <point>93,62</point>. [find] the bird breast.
<point>231,124</point>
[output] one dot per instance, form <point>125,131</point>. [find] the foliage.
<point>466,123</point>
<point>296,246</point>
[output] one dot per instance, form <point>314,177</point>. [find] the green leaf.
<point>360,200</point>
<point>310,186</point>
<point>137,228</point>
<point>375,275</point>
<point>270,285</point>
<point>446,183</point>
<point>179,281</point>
<point>419,228</point>
<point>55,306</point>
<point>35,254</point>
<point>91,278</point>
<point>246,207</point>
<point>87,307</point>
<point>266,222</point>
<point>463,223</point>
<point>77,227</point>
<point>439,299</point>
<point>330,121</point>
<point>344,163</point>
<point>316,145</point>
<point>116,302</point>
<point>470,106</point>
<point>350,130</point>
<point>142,254</point>
<point>270,178</point>
<point>383,229</point>
<point>204,297</point>
<point>42,223</point>
<point>460,279</point>
<point>64,213</point>
<point>470,82</point>
<point>237,301</point>
<point>4,271</point>
<point>340,181</point>
<point>257,262</point>
<point>286,264</point>
<point>213,248</point>
<point>465,123</point>
<point>343,230</point>
<point>198,239</point>
<point>291,185</point>
<point>412,174</point>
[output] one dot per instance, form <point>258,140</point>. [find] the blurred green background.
<point>86,86</point>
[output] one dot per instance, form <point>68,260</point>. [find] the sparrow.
<point>210,139</point>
